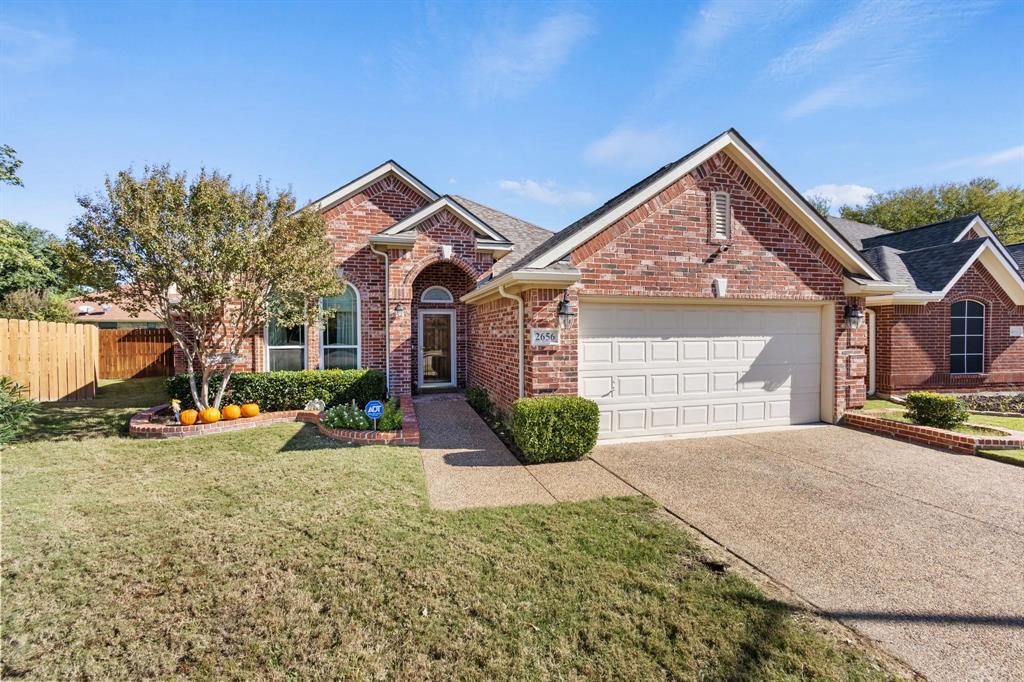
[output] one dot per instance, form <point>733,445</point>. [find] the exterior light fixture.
<point>565,313</point>
<point>399,310</point>
<point>853,315</point>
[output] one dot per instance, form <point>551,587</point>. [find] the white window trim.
<point>728,216</point>
<point>267,347</point>
<point>359,331</point>
<point>449,298</point>
<point>984,319</point>
<point>454,379</point>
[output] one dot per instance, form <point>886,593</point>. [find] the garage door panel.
<point>699,368</point>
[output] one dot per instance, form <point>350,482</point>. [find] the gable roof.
<point>1017,251</point>
<point>923,237</point>
<point>525,236</point>
<point>449,203</point>
<point>354,187</point>
<point>565,241</point>
<point>855,232</point>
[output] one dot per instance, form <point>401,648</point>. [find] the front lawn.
<point>1012,423</point>
<point>1008,456</point>
<point>275,553</point>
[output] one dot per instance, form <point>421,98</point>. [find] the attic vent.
<point>720,221</point>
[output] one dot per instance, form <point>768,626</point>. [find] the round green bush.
<point>555,428</point>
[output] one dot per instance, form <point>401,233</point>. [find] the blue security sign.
<point>374,409</point>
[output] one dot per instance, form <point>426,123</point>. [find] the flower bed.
<point>147,424</point>
<point>963,443</point>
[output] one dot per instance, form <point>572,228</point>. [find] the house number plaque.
<point>544,337</point>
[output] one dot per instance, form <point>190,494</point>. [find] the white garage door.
<point>664,369</point>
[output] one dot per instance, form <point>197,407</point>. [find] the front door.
<point>437,348</point>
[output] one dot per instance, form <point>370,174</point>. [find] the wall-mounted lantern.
<point>853,315</point>
<point>399,310</point>
<point>565,313</point>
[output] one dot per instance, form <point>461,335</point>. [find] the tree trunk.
<point>223,385</point>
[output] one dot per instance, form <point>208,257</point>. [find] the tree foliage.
<point>220,260</point>
<point>1001,207</point>
<point>820,203</point>
<point>34,304</point>
<point>30,258</point>
<point>9,165</point>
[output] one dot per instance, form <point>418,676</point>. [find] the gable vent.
<point>720,220</point>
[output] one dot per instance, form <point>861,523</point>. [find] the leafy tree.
<point>820,203</point>
<point>217,260</point>
<point>30,258</point>
<point>32,304</point>
<point>9,165</point>
<point>1001,207</point>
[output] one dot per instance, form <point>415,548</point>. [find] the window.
<point>340,341</point>
<point>720,228</point>
<point>436,295</point>
<point>286,347</point>
<point>967,338</point>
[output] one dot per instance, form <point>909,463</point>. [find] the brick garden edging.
<point>142,426</point>
<point>926,435</point>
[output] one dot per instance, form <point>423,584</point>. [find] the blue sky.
<point>544,110</point>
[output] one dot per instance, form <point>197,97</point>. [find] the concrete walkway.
<point>467,466</point>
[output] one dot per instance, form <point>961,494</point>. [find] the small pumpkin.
<point>231,412</point>
<point>250,410</point>
<point>188,417</point>
<point>211,415</point>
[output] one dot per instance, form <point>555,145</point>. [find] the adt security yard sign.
<point>374,409</point>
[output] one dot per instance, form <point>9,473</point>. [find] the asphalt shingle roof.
<point>524,236</point>
<point>922,237</point>
<point>1017,251</point>
<point>856,232</point>
<point>922,270</point>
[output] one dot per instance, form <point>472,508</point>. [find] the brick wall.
<point>912,342</point>
<point>493,350</point>
<point>458,283</point>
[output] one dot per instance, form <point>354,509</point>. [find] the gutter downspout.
<point>522,373</point>
<point>387,318</point>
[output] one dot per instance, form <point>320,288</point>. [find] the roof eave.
<point>350,189</point>
<point>517,280</point>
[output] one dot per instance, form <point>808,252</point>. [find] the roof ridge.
<point>457,197</point>
<point>964,242</point>
<point>923,227</point>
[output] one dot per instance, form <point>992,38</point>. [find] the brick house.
<point>957,322</point>
<point>708,296</point>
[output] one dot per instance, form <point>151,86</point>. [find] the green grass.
<point>982,420</point>
<point>1012,423</point>
<point>1007,456</point>
<point>275,553</point>
<point>880,404</point>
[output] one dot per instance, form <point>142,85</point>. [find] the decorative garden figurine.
<point>316,405</point>
<point>176,406</point>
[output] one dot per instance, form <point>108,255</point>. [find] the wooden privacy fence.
<point>54,360</point>
<point>128,353</point>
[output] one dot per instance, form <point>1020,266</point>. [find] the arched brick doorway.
<point>440,329</point>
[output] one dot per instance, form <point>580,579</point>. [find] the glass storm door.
<point>437,364</point>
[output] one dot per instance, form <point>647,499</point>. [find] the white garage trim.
<point>665,367</point>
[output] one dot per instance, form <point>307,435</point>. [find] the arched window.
<point>967,338</point>
<point>286,347</point>
<point>339,348</point>
<point>436,295</point>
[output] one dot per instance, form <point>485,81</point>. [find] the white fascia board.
<point>497,249</point>
<point>362,182</point>
<point>523,279</point>
<point>982,229</point>
<point>393,241</point>
<point>439,205</point>
<point>820,230</point>
<point>852,288</point>
<point>904,299</point>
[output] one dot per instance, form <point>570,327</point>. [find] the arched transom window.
<point>436,295</point>
<point>967,338</point>
<point>339,348</point>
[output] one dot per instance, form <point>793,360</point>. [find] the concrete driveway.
<point>920,550</point>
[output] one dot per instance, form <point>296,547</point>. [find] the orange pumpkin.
<point>188,417</point>
<point>250,410</point>
<point>211,415</point>
<point>231,412</point>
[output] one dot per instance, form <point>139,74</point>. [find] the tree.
<point>9,165</point>
<point>1001,207</point>
<point>30,258</point>
<point>32,304</point>
<point>820,203</point>
<point>212,261</point>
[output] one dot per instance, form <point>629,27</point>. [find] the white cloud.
<point>510,63</point>
<point>842,195</point>
<point>825,97</point>
<point>994,159</point>
<point>546,193</point>
<point>27,50</point>
<point>718,19</point>
<point>631,147</point>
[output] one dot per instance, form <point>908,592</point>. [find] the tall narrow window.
<point>967,338</point>
<point>340,345</point>
<point>286,347</point>
<point>720,228</point>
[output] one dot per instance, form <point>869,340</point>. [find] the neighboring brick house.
<point>957,322</point>
<point>708,296</point>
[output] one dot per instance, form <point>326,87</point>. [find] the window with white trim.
<point>286,347</point>
<point>720,224</point>
<point>339,347</point>
<point>967,338</point>
<point>436,294</point>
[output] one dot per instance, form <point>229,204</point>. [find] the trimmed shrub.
<point>391,420</point>
<point>348,416</point>
<point>276,391</point>
<point>936,409</point>
<point>479,400</point>
<point>555,428</point>
<point>15,411</point>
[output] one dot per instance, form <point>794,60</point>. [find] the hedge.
<point>936,409</point>
<point>556,428</point>
<point>275,391</point>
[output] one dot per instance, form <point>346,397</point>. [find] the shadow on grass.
<point>309,438</point>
